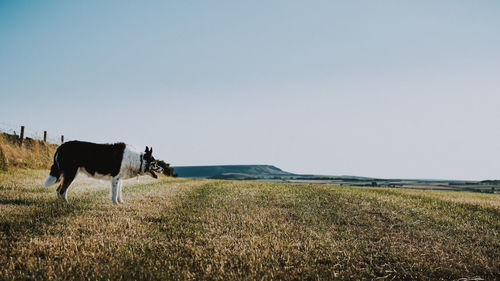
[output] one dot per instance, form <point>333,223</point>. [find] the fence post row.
<point>21,137</point>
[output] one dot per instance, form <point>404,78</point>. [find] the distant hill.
<point>231,171</point>
<point>272,173</point>
<point>252,172</point>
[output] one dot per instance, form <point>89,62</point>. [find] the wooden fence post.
<point>21,138</point>
<point>44,136</point>
<point>62,139</point>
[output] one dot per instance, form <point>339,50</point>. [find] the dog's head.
<point>151,166</point>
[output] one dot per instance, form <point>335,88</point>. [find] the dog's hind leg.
<point>120,186</point>
<point>68,177</point>
<point>58,190</point>
<point>114,189</point>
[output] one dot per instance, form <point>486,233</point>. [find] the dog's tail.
<point>55,172</point>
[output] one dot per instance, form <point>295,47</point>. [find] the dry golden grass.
<point>173,229</point>
<point>32,154</point>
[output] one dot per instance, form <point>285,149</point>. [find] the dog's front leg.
<point>120,187</point>
<point>114,189</point>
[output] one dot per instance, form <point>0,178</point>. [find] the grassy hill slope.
<point>177,228</point>
<point>32,154</point>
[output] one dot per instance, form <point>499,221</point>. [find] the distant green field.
<point>226,230</point>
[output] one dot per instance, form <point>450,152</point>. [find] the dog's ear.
<point>151,150</point>
<point>147,149</point>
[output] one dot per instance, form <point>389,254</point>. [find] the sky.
<point>392,89</point>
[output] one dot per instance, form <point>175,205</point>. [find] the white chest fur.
<point>131,164</point>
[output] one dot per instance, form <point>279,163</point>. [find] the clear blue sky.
<point>407,89</point>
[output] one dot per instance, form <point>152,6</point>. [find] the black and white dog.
<point>103,161</point>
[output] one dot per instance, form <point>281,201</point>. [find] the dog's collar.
<point>140,166</point>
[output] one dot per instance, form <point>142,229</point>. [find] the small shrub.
<point>167,170</point>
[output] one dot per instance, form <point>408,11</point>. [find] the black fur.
<point>104,159</point>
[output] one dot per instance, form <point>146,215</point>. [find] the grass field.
<point>224,230</point>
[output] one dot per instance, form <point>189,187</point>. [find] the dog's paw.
<point>63,197</point>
